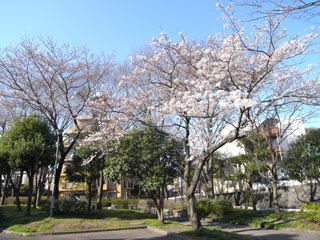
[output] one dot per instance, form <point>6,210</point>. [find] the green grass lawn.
<point>97,219</point>
<point>267,219</point>
<point>100,219</point>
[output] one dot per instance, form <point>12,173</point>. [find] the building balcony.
<point>273,132</point>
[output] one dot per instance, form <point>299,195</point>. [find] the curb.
<point>73,232</point>
<point>174,236</point>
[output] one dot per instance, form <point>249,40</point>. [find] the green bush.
<point>204,208</point>
<point>118,202</point>
<point>65,206</point>
<point>221,207</point>
<point>311,212</point>
<point>45,204</point>
<point>216,207</point>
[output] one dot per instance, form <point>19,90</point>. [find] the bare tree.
<point>56,81</point>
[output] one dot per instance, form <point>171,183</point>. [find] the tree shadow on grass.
<point>258,218</point>
<point>13,217</point>
<point>244,234</point>
<point>122,214</point>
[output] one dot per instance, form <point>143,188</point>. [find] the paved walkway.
<point>261,233</point>
<point>143,234</point>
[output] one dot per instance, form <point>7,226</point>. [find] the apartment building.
<point>126,188</point>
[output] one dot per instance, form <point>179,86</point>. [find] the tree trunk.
<point>42,180</point>
<point>89,196</point>
<point>237,197</point>
<point>192,212</point>
<point>160,215</point>
<point>253,197</point>
<point>30,193</point>
<point>313,191</point>
<point>208,177</point>
<point>270,197</point>
<point>63,154</point>
<point>100,190</point>
<point>4,189</point>
<point>36,190</point>
<point>191,182</point>
<point>57,178</point>
<point>1,188</point>
<point>16,189</point>
<point>17,192</point>
<point>158,198</point>
<point>237,194</point>
<point>246,199</point>
<point>139,192</point>
<point>275,194</point>
<point>190,198</point>
<point>210,163</point>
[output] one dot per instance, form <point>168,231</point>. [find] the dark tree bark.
<point>270,197</point>
<point>30,192</point>
<point>237,197</point>
<point>190,185</point>
<point>63,154</point>
<point>16,188</point>
<point>158,198</point>
<point>4,189</point>
<point>208,176</point>
<point>89,195</point>
<point>253,196</point>
<point>100,190</point>
<point>36,188</point>
<point>313,191</point>
<point>275,195</point>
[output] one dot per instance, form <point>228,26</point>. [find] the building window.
<point>130,184</point>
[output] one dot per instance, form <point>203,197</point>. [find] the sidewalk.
<point>262,233</point>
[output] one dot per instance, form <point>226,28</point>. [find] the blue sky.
<point>118,27</point>
<point>112,26</point>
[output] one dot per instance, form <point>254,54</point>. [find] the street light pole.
<point>54,173</point>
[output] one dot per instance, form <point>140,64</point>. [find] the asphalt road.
<point>141,234</point>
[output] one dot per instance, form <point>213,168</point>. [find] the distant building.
<point>126,188</point>
<point>282,133</point>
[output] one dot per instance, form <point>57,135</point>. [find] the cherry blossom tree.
<point>228,81</point>
<point>9,112</point>
<point>55,80</point>
<point>294,8</point>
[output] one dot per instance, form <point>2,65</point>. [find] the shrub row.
<point>121,203</point>
<point>311,212</point>
<point>23,200</point>
<point>65,206</point>
<point>213,207</point>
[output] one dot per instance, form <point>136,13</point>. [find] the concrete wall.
<point>290,196</point>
